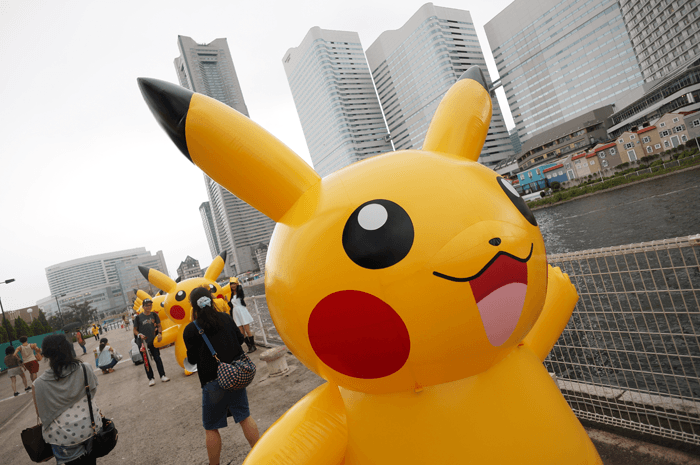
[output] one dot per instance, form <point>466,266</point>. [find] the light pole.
<point>7,281</point>
<point>63,323</point>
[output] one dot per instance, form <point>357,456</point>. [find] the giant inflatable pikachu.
<point>415,282</point>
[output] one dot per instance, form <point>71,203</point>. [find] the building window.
<point>665,133</point>
<point>695,123</point>
<point>666,144</point>
<point>602,154</point>
<point>675,120</point>
<point>629,145</point>
<point>567,165</point>
<point>529,173</point>
<point>632,156</point>
<point>612,151</point>
<point>549,176</point>
<point>604,163</point>
<point>561,172</point>
<point>592,162</point>
<point>537,170</point>
<point>663,125</point>
<point>657,146</point>
<point>679,128</point>
<point>649,149</point>
<point>621,141</point>
<point>571,174</point>
<point>522,177</point>
<point>683,138</point>
<point>631,136</point>
<point>646,140</point>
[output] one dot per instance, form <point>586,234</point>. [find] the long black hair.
<point>240,294</point>
<point>59,352</point>
<point>103,343</point>
<point>205,314</point>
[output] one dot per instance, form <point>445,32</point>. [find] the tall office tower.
<point>558,59</point>
<point>209,229</point>
<point>335,99</point>
<point>208,69</point>
<point>105,279</point>
<point>415,65</point>
<point>665,35</point>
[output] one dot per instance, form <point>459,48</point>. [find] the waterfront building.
<point>580,165</point>
<point>555,173</point>
<point>579,134</point>
<point>534,179</point>
<point>208,69</point>
<point>649,137</point>
<point>210,229</point>
<point>189,268</point>
<point>416,64</point>
<point>335,99</point>
<point>608,155</point>
<point>629,146</point>
<point>672,130</point>
<point>558,59</point>
<point>692,124</point>
<point>665,35</point>
<point>101,279</point>
<point>678,92</point>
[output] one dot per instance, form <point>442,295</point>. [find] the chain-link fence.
<point>630,355</point>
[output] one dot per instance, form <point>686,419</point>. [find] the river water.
<point>657,209</point>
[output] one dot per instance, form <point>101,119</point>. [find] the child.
<point>14,367</point>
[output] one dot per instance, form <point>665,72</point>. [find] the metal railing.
<point>630,355</point>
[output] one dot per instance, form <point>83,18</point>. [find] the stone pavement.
<point>162,424</point>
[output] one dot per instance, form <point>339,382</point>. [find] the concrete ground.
<point>162,424</point>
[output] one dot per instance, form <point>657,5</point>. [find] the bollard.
<point>94,351</point>
<point>276,360</point>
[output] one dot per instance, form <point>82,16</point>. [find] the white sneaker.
<point>164,379</point>
<point>152,382</point>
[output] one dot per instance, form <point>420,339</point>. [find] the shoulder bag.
<point>35,445</point>
<point>104,441</point>
<point>231,376</point>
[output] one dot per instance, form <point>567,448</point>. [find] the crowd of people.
<point>60,396</point>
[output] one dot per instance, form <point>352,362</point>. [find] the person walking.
<point>147,328</point>
<point>217,403</point>
<point>29,361</point>
<point>81,341</point>
<point>14,369</point>
<point>61,403</point>
<point>96,332</point>
<point>240,313</point>
<point>106,360</point>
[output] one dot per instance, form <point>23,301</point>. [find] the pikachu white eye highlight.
<point>372,216</point>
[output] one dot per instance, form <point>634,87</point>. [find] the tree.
<point>556,185</point>
<point>81,312</point>
<point>55,323</point>
<point>9,330</point>
<point>22,328</point>
<point>3,335</point>
<point>37,328</point>
<point>42,319</point>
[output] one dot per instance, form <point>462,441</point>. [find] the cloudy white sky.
<point>85,169</point>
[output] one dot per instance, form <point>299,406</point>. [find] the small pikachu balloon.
<point>415,282</point>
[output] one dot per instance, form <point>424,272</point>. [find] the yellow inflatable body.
<point>415,282</point>
<point>168,326</point>
<point>176,304</point>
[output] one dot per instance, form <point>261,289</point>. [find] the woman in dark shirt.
<point>217,403</point>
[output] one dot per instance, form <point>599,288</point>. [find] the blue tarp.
<point>32,340</point>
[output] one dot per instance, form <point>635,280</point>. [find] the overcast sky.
<point>86,169</point>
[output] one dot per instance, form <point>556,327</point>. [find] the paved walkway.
<point>162,424</point>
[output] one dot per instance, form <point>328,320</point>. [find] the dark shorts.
<point>218,403</point>
<point>32,366</point>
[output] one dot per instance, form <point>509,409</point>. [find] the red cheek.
<point>220,296</point>
<point>177,312</point>
<point>359,335</point>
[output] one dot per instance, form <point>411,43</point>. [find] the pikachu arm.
<point>180,348</point>
<point>558,307</point>
<point>169,336</point>
<point>313,432</point>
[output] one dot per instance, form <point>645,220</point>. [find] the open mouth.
<point>499,289</point>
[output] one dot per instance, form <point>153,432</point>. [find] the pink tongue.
<point>500,311</point>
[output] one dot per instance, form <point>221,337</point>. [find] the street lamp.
<point>7,281</point>
<point>59,308</point>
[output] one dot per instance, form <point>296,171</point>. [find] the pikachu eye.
<point>180,296</point>
<point>378,234</point>
<point>517,201</point>
<point>212,288</point>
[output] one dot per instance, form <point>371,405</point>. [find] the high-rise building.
<point>665,35</point>
<point>558,59</point>
<point>335,99</point>
<point>208,69</point>
<point>210,229</point>
<point>415,65</point>
<point>105,280</point>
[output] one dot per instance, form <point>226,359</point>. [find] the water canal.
<point>657,209</point>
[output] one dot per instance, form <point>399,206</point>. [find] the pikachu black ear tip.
<point>223,256</point>
<point>475,74</point>
<point>169,104</point>
<point>144,271</point>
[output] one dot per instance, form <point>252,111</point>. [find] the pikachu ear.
<point>142,294</point>
<point>216,267</point>
<point>461,121</point>
<point>233,150</point>
<point>158,279</point>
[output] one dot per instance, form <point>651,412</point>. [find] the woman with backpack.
<point>217,403</point>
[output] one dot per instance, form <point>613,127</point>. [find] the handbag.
<point>231,376</point>
<point>103,441</point>
<point>34,444</point>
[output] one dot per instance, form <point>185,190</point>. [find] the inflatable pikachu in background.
<point>176,304</point>
<point>167,325</point>
<point>415,282</point>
